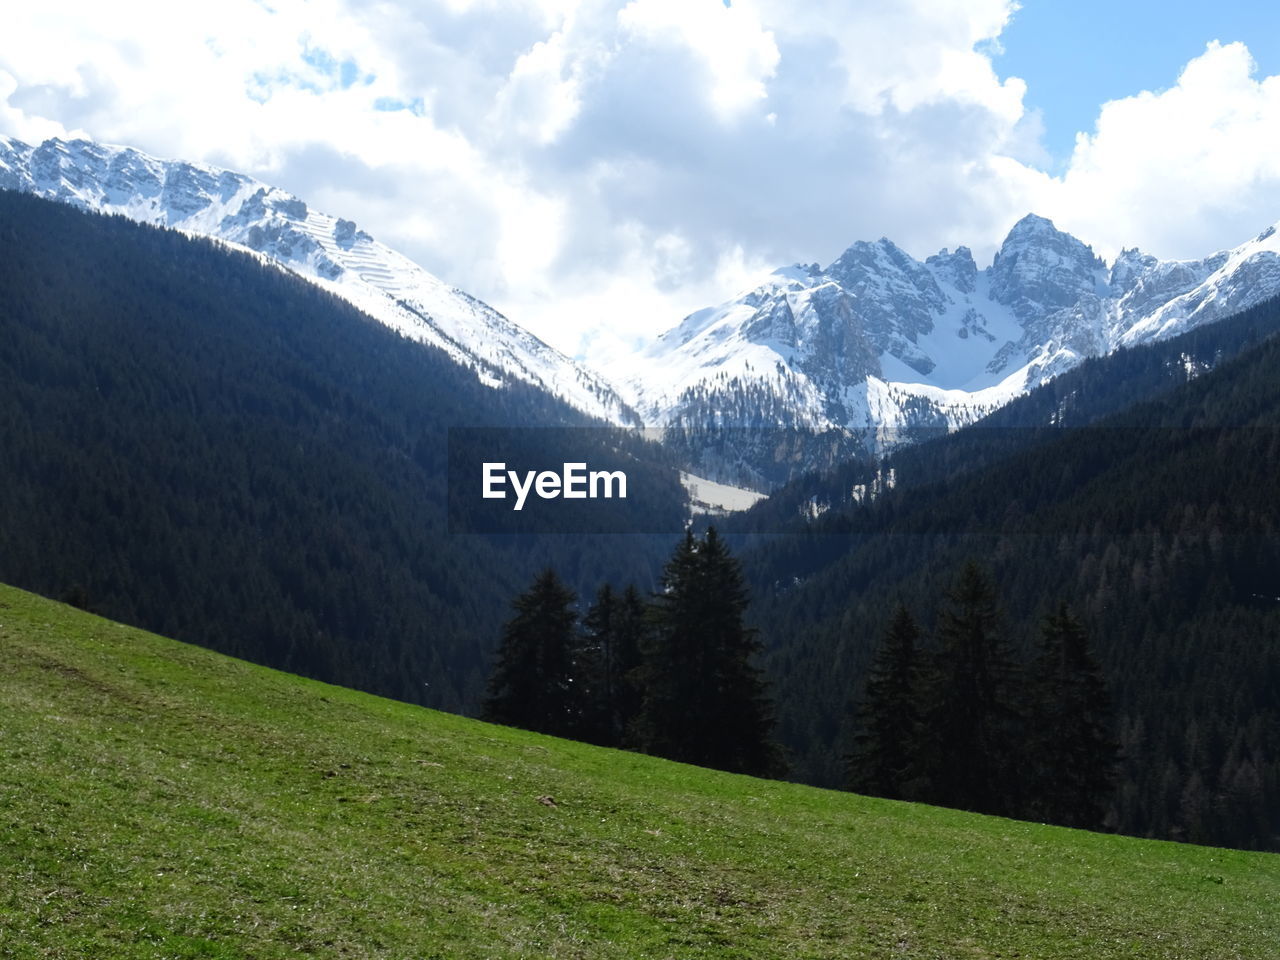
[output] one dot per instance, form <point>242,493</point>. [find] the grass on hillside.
<point>158,800</point>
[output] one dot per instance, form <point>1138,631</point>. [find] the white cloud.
<point>596,168</point>
<point>540,98</point>
<point>1181,172</point>
<point>907,53</point>
<point>738,53</point>
<point>618,308</point>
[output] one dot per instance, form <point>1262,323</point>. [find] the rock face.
<point>332,252</point>
<point>881,346</point>
<point>1040,269</point>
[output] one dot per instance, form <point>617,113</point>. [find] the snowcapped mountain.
<point>332,252</point>
<point>882,345</point>
<point>813,363</point>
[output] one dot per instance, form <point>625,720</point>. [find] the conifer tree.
<point>670,661</point>
<point>1073,751</point>
<point>884,761</point>
<point>971,736</point>
<point>533,684</point>
<point>597,667</point>
<point>629,632</point>
<point>704,700</point>
<point>613,632</point>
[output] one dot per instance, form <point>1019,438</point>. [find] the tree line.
<point>963,725</point>
<point>966,725</point>
<point>672,675</point>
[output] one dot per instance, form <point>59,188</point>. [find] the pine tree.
<point>971,737</point>
<point>630,629</point>
<point>597,668</point>
<point>669,662</point>
<point>533,684</point>
<point>742,717</point>
<point>884,761</point>
<point>613,632</point>
<point>704,700</point>
<point>1073,750</point>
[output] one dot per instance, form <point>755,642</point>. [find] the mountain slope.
<point>329,251</point>
<point>199,442</point>
<point>886,346</point>
<point>1098,388</point>
<point>1158,525</point>
<point>158,799</point>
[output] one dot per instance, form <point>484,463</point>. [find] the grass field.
<point>158,800</point>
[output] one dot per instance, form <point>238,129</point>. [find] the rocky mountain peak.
<point>1030,226</point>
<point>957,269</point>
<point>1040,269</point>
<point>898,295</point>
<point>1129,268</point>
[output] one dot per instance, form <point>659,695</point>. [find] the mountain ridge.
<point>199,441</point>
<point>876,349</point>
<point>882,344</point>
<point>329,251</point>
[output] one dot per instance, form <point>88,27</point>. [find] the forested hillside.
<point>200,443</point>
<point>1098,388</point>
<point>1157,526</point>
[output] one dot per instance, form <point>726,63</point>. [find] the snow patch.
<point>717,499</point>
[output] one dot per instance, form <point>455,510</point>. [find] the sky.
<point>597,170</point>
<point>1076,56</point>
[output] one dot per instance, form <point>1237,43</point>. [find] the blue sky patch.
<point>345,72</point>
<point>1077,56</point>
<point>394,104</point>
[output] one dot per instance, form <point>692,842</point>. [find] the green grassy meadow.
<point>158,800</point>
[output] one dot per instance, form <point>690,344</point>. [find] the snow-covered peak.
<point>1039,268</point>
<point>881,342</point>
<point>796,273</point>
<point>1177,295</point>
<point>1130,267</point>
<point>333,252</point>
<point>1033,229</point>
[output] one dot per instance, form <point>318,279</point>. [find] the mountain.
<point>812,366</point>
<point>886,346</point>
<point>199,442</point>
<point>1097,388</point>
<point>329,251</point>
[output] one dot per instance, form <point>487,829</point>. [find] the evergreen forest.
<point>201,444</point>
